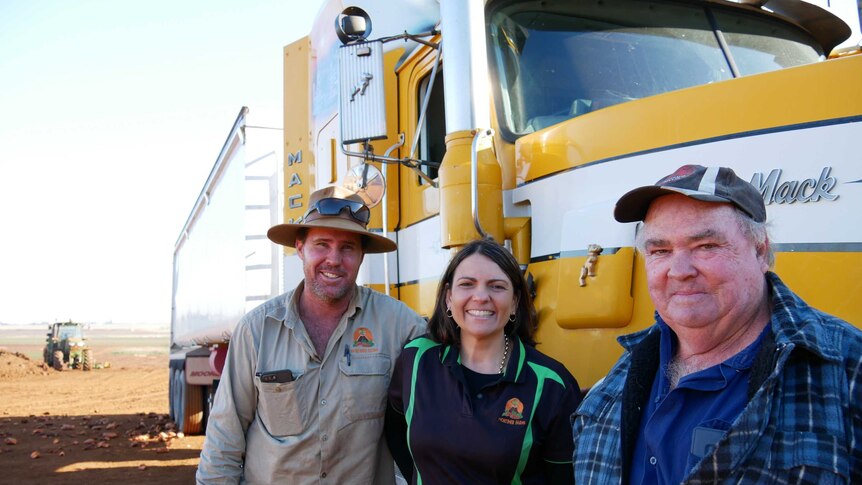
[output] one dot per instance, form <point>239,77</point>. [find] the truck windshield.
<point>555,60</point>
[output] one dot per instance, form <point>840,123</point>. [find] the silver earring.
<point>448,312</point>
<point>512,318</point>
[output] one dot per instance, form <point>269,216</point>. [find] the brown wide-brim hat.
<point>285,234</point>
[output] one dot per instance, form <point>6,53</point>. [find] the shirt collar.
<point>794,322</point>
<point>450,356</point>
<point>741,360</point>
<point>712,378</point>
<point>744,359</point>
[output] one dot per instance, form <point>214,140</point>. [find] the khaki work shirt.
<point>324,427</point>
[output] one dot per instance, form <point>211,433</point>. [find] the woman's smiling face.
<point>481,298</point>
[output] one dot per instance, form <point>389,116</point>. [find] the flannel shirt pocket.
<point>818,457</point>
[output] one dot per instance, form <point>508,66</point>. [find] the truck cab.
<point>526,120</point>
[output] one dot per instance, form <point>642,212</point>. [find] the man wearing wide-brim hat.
<point>303,392</point>
<point>739,380</point>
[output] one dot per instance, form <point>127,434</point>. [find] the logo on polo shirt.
<point>363,340</point>
<point>514,412</point>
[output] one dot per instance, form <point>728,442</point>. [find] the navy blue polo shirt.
<point>681,426</point>
<point>500,433</point>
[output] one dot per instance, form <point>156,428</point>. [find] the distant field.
<point>105,342</point>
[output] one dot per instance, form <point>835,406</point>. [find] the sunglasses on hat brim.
<point>332,206</point>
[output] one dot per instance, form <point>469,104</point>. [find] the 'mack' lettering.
<point>808,190</point>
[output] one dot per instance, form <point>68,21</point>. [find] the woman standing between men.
<point>473,401</point>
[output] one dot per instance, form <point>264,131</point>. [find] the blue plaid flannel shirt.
<point>802,425</point>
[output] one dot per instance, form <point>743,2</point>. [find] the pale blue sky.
<point>111,116</point>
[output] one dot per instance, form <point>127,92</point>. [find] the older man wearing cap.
<point>303,392</point>
<point>739,380</point>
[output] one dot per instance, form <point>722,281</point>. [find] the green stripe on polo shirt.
<point>421,345</point>
<point>542,374</point>
<point>521,358</point>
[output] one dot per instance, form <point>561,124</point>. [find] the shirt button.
<point>652,460</point>
<point>324,438</point>
<point>323,475</point>
<point>323,402</point>
<point>479,396</point>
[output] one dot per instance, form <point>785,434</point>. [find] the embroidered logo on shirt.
<point>363,340</point>
<point>514,412</point>
<point>362,337</point>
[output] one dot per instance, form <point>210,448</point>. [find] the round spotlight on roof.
<point>352,25</point>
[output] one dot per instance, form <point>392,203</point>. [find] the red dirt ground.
<point>105,426</point>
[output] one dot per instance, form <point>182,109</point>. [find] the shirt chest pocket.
<point>367,379</point>
<point>285,408</point>
<point>818,457</point>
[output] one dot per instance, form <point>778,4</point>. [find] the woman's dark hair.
<point>442,328</point>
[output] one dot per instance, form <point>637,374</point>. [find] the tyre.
<point>172,392</point>
<point>209,393</point>
<point>193,407</point>
<point>58,360</point>
<point>177,398</point>
<point>87,359</point>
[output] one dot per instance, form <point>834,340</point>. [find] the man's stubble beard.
<point>323,293</point>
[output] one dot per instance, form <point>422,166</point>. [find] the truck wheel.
<point>172,394</point>
<point>87,359</point>
<point>193,408</point>
<point>209,400</point>
<point>176,397</point>
<point>58,359</point>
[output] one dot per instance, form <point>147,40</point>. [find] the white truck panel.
<point>223,263</point>
<point>803,154</point>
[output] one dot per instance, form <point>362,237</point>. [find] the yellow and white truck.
<point>525,121</point>
<point>541,114</point>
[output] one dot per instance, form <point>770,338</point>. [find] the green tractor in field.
<point>66,345</point>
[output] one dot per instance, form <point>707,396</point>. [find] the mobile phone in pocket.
<point>277,376</point>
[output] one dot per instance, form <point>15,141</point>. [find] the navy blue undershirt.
<point>476,381</point>
<point>680,426</point>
